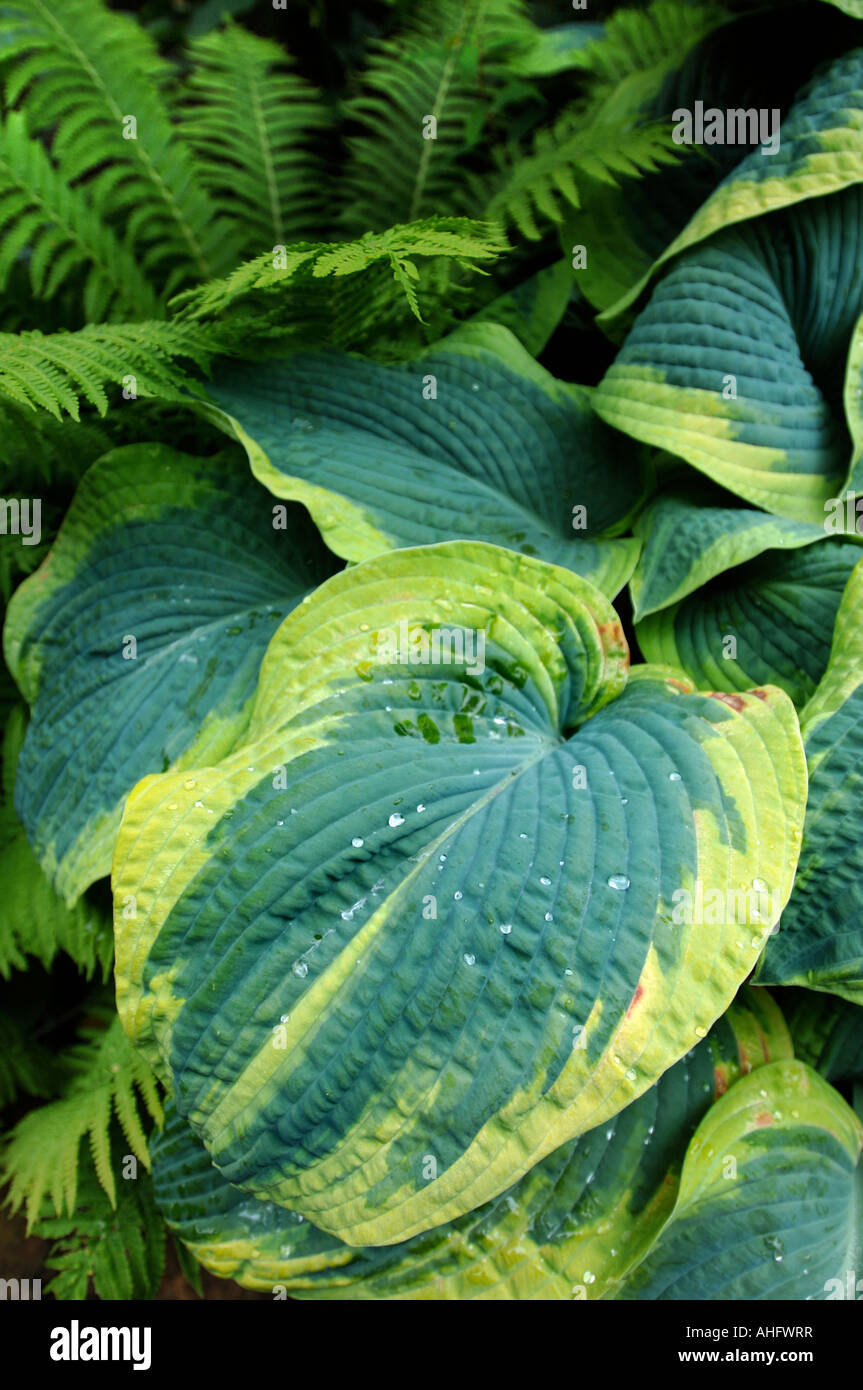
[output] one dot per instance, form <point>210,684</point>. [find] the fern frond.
<point>62,231</point>
<point>251,124</point>
<point>106,1078</point>
<point>119,1248</point>
<point>304,265</point>
<point>541,185</point>
<point>450,65</point>
<point>649,42</point>
<point>26,1065</point>
<point>351,294</point>
<point>56,371</point>
<point>93,77</point>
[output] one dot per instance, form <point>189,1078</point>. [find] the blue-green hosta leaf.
<point>820,152</point>
<point>137,642</point>
<point>690,535</point>
<point>851,517</point>
<point>827,1033</point>
<point>533,309</point>
<point>570,1228</point>
<point>766,621</point>
<point>472,440</point>
<point>770,1199</point>
<point>433,874</point>
<point>34,919</point>
<point>820,943</point>
<point>738,361</point>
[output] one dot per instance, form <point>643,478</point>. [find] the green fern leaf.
<point>251,122</point>
<point>106,1076</point>
<point>56,371</point>
<point>119,1249</point>
<point>351,294</point>
<point>540,186</point>
<point>452,65</point>
<point>94,78</point>
<point>64,230</point>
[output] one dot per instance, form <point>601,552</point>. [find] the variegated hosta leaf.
<point>34,919</point>
<point>471,440</point>
<point>820,150</point>
<point>851,515</point>
<point>138,640</point>
<point>729,368</point>
<point>827,1033</point>
<point>370,934</point>
<point>769,1201</point>
<point>735,597</point>
<point>691,534</point>
<point>570,1228</point>
<point>820,943</point>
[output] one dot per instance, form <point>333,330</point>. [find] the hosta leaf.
<point>767,621</point>
<point>827,1033</point>
<point>570,1228</point>
<point>769,1202</point>
<point>502,453</point>
<point>729,367</point>
<point>820,943</point>
<point>820,151</point>
<point>534,308</point>
<point>137,642</point>
<point>34,919</point>
<point>852,515</point>
<point>691,534</point>
<point>349,868</point>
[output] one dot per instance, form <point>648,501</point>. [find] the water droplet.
<point>522,835</point>
<point>301,969</point>
<point>396,819</point>
<point>588,1276</point>
<point>624,801</point>
<point>199,804</point>
<point>546,882</point>
<point>469,959</point>
<point>700,1032</point>
<point>674,777</point>
<point>506,928</point>
<point>357,842</point>
<point>420,809</point>
<point>630,1074</point>
<point>190,784</point>
<point>619,881</point>
<point>284,1018</point>
<point>458,895</point>
<point>759,885</point>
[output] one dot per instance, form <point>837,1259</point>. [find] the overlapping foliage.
<point>444,627</point>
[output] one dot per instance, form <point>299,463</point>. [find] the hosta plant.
<point>433,591</point>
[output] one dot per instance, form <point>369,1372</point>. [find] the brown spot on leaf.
<point>732,701</point>
<point>763,1119</point>
<point>639,991</point>
<point>760,694</point>
<point>720,1079</point>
